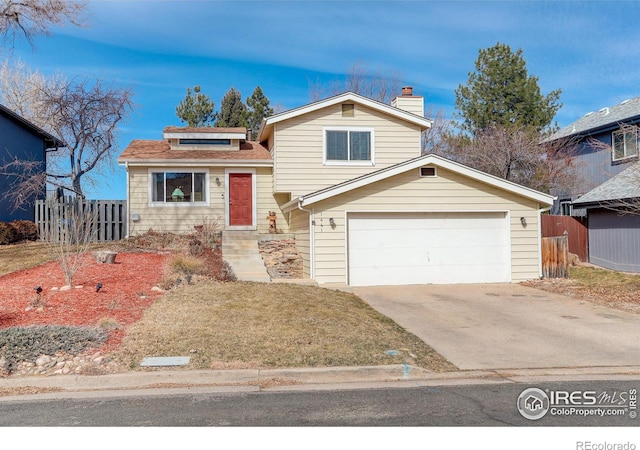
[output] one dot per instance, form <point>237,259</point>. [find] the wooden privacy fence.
<point>106,218</point>
<point>574,228</point>
<point>555,257</point>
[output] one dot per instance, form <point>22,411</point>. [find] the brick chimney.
<point>409,102</point>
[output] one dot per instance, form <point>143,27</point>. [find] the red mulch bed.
<point>125,293</point>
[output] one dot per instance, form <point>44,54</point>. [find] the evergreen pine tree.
<point>196,109</point>
<point>501,93</point>
<point>233,112</point>
<point>259,108</point>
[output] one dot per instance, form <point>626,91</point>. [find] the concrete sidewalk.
<point>180,381</point>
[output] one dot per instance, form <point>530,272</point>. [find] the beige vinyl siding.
<point>172,218</point>
<point>181,218</point>
<point>267,202</point>
<point>298,153</point>
<point>407,192</point>
<point>300,228</point>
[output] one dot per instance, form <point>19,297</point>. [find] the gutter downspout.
<point>312,251</point>
<point>126,168</point>
<point>540,211</point>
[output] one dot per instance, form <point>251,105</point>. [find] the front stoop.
<point>240,250</point>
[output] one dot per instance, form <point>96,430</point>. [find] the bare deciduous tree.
<point>84,114</point>
<point>87,116</point>
<point>21,91</point>
<point>436,138</point>
<point>378,85</point>
<point>516,154</point>
<point>31,18</point>
<point>72,228</point>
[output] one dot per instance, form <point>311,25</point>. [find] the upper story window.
<point>625,143</point>
<point>349,146</point>
<point>204,141</point>
<point>178,187</point>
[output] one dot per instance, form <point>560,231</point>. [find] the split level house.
<point>23,141</point>
<point>347,178</point>
<point>606,144</point>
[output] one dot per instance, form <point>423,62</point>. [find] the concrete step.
<point>240,250</point>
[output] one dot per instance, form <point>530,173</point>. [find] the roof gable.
<point>268,122</point>
<point>54,141</point>
<point>412,164</point>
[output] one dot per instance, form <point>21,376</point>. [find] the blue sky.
<point>589,49</point>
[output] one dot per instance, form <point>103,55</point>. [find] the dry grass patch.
<point>22,256</point>
<point>271,325</point>
<point>602,286</point>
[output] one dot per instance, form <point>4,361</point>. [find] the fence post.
<point>555,257</point>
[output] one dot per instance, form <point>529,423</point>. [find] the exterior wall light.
<point>332,222</point>
<point>523,221</point>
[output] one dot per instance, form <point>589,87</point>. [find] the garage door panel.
<point>420,248</point>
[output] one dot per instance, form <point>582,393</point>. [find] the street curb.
<point>249,380</point>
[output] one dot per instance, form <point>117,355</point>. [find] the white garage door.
<point>425,248</point>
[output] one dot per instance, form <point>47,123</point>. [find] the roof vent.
<point>588,114</point>
<point>604,111</point>
<point>624,102</point>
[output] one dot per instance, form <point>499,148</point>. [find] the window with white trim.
<point>625,143</point>
<point>348,145</point>
<point>178,187</point>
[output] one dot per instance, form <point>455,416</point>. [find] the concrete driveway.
<point>502,326</point>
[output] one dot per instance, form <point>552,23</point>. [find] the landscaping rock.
<point>281,258</point>
<point>106,257</point>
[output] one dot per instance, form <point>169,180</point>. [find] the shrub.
<point>217,267</point>
<point>25,230</point>
<point>28,343</point>
<point>187,265</point>
<point>8,234</point>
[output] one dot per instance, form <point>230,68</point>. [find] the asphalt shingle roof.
<point>139,150</point>
<point>625,185</point>
<point>604,117</point>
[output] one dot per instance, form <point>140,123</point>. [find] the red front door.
<point>240,199</point>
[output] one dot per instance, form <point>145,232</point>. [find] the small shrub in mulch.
<point>28,343</point>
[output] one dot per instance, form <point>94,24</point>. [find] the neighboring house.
<point>610,178</point>
<point>345,175</point>
<point>596,163</point>
<point>22,140</point>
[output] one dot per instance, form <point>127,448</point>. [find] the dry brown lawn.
<point>602,286</point>
<point>22,256</point>
<point>244,325</point>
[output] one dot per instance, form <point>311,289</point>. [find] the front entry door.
<point>240,199</point>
